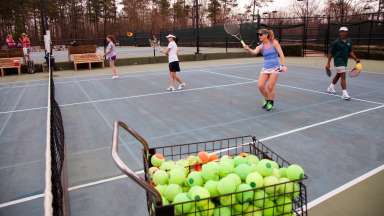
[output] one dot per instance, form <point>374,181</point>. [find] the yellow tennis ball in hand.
<point>359,66</point>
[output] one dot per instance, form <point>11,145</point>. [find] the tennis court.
<point>334,140</point>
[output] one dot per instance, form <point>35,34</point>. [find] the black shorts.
<point>174,66</point>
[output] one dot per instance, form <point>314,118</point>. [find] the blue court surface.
<point>334,140</point>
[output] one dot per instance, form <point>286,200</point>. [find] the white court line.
<point>73,79</point>
<point>294,87</point>
<point>134,96</point>
<point>14,202</point>
<point>184,131</point>
<point>345,187</point>
<point>124,144</point>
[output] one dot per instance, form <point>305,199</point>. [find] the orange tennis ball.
<point>204,157</point>
<point>213,157</point>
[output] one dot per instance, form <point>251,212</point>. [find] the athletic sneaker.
<point>331,90</point>
<point>264,104</point>
<point>181,86</point>
<point>269,106</point>
<point>345,95</point>
<point>115,77</point>
<point>171,88</point>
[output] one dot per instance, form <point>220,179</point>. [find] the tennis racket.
<point>328,72</point>
<point>356,70</point>
<point>154,42</point>
<point>232,27</point>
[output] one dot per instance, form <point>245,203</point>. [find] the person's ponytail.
<point>271,35</point>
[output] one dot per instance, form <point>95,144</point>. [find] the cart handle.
<point>123,167</point>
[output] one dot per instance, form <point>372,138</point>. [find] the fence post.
<point>327,35</point>
<point>370,36</point>
<point>226,44</point>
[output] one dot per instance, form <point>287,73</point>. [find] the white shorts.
<point>341,69</point>
<point>26,51</point>
<point>270,71</point>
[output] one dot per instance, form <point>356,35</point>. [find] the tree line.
<point>90,19</point>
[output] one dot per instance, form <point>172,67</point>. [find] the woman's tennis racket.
<point>233,28</point>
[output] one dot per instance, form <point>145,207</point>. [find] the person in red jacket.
<point>26,43</point>
<point>10,42</point>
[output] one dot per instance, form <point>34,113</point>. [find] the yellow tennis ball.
<point>359,66</point>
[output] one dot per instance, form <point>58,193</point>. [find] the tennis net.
<point>56,187</point>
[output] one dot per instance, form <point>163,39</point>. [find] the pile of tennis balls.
<point>213,183</point>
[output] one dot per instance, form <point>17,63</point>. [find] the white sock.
<point>332,86</point>
<point>345,92</point>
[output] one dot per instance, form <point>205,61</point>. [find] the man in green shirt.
<point>340,51</point>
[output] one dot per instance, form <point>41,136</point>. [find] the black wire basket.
<point>287,198</point>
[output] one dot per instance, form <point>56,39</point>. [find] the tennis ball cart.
<point>244,177</point>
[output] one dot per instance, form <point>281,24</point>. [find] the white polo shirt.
<point>172,54</point>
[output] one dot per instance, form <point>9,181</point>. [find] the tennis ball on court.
<point>211,186</point>
<point>157,159</point>
<point>283,172</point>
<point>171,191</point>
<point>186,205</point>
<point>152,171</point>
<point>255,180</point>
<point>284,204</point>
<point>226,185</point>
<point>177,176</point>
<point>210,171</point>
<point>195,179</point>
<point>285,186</point>
<point>264,167</point>
<point>204,157</point>
<point>225,167</point>
<point>295,172</point>
<point>252,159</point>
<point>260,198</point>
<point>240,159</point>
<point>239,208</point>
<point>160,177</point>
<point>235,177</point>
<point>167,165</point>
<point>246,195</point>
<point>243,170</point>
<point>269,183</point>
<point>161,188</point>
<point>222,211</point>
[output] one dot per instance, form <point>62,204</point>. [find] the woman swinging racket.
<point>274,63</point>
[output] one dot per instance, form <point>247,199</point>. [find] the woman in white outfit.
<point>171,51</point>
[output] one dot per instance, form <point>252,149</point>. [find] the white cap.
<point>170,36</point>
<point>343,28</point>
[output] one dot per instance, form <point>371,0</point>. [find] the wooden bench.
<point>87,58</point>
<point>10,63</point>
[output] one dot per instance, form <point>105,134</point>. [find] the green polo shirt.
<point>340,51</point>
